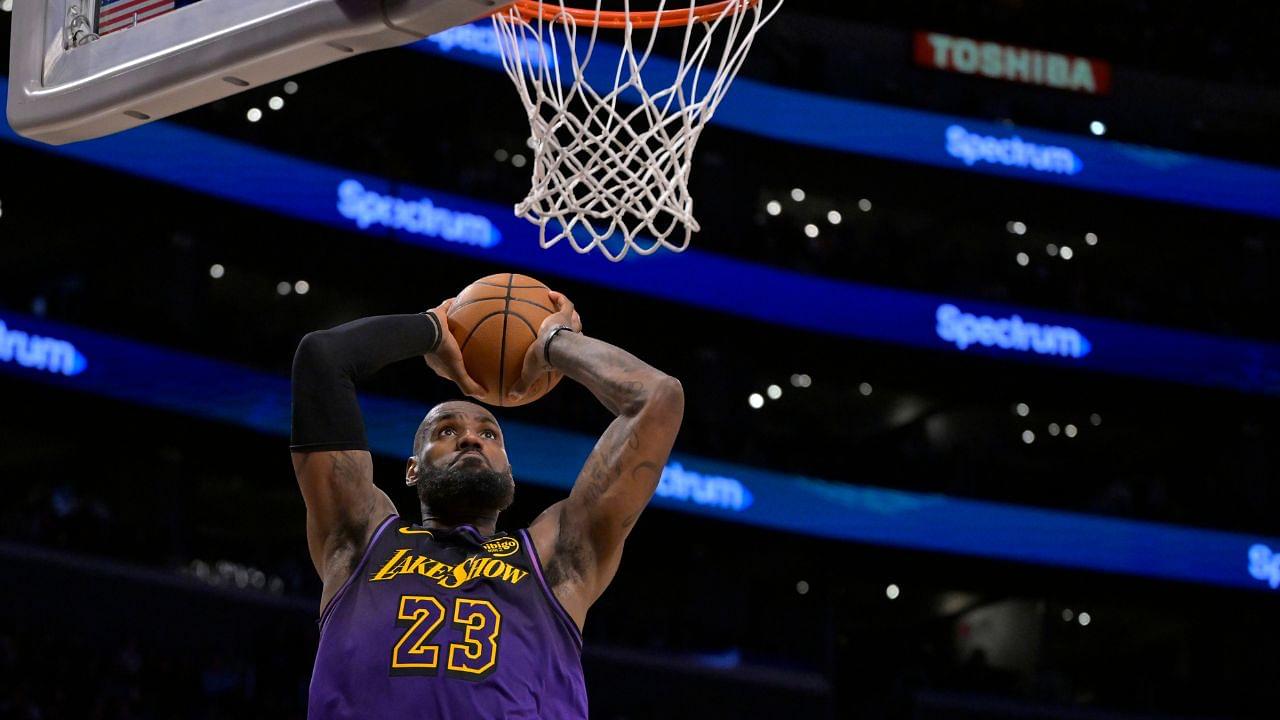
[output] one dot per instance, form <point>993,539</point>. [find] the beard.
<point>465,492</point>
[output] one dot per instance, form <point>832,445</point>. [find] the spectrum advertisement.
<point>441,221</point>
<point>201,387</point>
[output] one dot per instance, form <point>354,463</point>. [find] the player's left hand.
<point>535,360</point>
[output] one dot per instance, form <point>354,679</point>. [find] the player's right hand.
<point>535,359</point>
<point>446,361</point>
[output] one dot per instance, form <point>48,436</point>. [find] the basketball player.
<point>452,618</point>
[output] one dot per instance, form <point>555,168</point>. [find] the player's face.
<point>462,468</point>
<point>461,435</point>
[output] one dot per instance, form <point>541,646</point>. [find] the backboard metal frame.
<point>61,92</point>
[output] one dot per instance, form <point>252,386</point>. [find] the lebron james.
<point>452,618</point>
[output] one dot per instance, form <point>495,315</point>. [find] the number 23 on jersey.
<point>474,658</point>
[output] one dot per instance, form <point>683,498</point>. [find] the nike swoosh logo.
<point>411,531</point>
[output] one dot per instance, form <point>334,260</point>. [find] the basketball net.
<point>613,129</point>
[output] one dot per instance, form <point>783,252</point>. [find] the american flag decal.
<point>116,15</point>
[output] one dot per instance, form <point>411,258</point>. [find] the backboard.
<point>81,69</point>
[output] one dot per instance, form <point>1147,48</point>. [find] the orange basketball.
<point>495,319</point>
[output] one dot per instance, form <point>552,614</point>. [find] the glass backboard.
<point>81,69</point>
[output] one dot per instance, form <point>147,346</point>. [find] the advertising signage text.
<point>998,61</point>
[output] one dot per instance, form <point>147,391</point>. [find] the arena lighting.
<point>774,392</point>
<point>1095,419</point>
<point>864,205</point>
<point>254,115</point>
<point>6,5</point>
<point>227,573</point>
<point>865,389</point>
<point>1051,250</point>
<point>290,87</point>
<point>1097,127</point>
<point>1090,239</point>
<point>1084,619</point>
<point>773,207</point>
<point>276,102</point>
<point>1028,437</point>
<point>439,221</point>
<point>501,155</point>
<point>811,230</point>
<point>834,217</point>
<point>216,271</point>
<point>284,288</point>
<point>1022,409</point>
<point>302,287</point>
<point>1067,615</point>
<point>1017,227</point>
<point>1066,252</point>
<point>892,592</point>
<point>797,194</point>
<point>1070,430</point>
<point>755,400</point>
<point>802,587</point>
<point>1054,429</point>
<point>826,121</point>
<point>518,160</point>
<point>1023,259</point>
<point>127,370</point>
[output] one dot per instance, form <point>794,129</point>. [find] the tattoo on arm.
<point>623,471</point>
<point>618,379</point>
<point>653,471</point>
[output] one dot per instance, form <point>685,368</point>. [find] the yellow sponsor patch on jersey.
<point>502,547</point>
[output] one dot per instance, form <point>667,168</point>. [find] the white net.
<point>613,128</point>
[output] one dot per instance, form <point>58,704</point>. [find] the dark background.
<point>132,539</point>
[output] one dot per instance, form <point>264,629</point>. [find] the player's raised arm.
<point>581,537</point>
<point>330,452</point>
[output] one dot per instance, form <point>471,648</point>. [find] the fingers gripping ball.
<point>495,319</point>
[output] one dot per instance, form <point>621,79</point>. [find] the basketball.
<point>495,319</point>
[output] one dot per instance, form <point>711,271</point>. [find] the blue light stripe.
<point>189,384</point>
<point>914,136</point>
<point>273,181</point>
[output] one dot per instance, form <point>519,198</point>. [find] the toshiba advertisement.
<point>939,51</point>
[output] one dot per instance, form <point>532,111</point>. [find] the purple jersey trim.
<point>359,568</point>
<point>546,589</point>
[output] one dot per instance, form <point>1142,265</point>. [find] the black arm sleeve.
<point>329,363</point>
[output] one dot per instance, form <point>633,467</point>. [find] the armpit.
<point>568,564</point>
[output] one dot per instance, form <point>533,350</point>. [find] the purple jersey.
<point>447,624</point>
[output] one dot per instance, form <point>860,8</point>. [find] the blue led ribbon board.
<point>442,221</point>
<point>943,141</point>
<point>36,350</point>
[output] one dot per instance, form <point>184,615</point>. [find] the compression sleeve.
<point>329,363</point>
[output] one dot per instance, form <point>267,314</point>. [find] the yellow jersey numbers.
<point>476,623</point>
